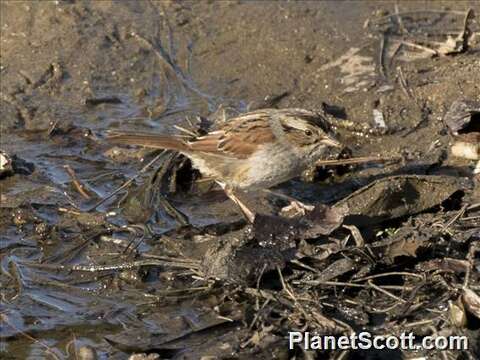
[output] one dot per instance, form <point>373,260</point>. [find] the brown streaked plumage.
<point>255,150</point>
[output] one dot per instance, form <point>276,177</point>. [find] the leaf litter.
<point>126,259</point>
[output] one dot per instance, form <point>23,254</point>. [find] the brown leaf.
<point>407,247</point>
<point>472,302</point>
<point>457,313</point>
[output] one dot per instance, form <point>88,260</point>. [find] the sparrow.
<point>252,151</point>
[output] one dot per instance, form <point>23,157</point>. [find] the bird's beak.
<point>331,142</point>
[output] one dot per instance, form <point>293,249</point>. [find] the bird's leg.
<point>296,207</point>
<point>249,214</point>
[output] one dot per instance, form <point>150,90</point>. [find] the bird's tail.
<point>148,140</point>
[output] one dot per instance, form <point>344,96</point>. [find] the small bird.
<point>255,150</point>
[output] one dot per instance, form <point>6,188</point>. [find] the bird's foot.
<point>296,209</point>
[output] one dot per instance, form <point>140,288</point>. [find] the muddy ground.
<point>167,266</point>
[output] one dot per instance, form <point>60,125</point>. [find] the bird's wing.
<point>238,138</point>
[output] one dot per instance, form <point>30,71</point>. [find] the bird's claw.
<point>296,209</point>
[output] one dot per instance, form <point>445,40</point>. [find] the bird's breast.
<point>269,166</point>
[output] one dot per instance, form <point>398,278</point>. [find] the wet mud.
<point>123,252</point>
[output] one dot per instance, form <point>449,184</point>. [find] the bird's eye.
<point>308,132</point>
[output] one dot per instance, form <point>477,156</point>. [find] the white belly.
<point>259,172</point>
<point>264,172</point>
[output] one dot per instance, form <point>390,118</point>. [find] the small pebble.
<point>466,150</point>
<point>5,164</point>
<point>86,353</point>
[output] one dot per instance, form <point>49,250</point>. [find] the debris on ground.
<point>461,115</point>
<point>119,253</point>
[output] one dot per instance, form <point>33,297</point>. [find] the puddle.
<point>133,273</point>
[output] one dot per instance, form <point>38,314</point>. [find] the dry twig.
<point>76,182</point>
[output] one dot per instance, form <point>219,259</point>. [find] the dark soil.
<point>167,265</point>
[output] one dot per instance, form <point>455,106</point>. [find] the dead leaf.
<point>472,302</point>
<point>460,114</point>
<point>457,313</point>
<point>397,196</point>
<point>407,247</point>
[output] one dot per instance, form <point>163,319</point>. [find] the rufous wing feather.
<point>239,138</point>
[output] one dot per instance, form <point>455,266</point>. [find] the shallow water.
<point>147,67</point>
